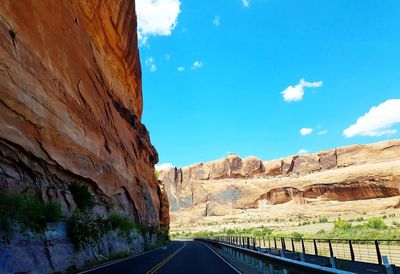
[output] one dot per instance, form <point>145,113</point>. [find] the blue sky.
<point>215,72</point>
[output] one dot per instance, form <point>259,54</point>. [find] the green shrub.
<point>296,235</point>
<point>82,196</point>
<point>266,231</point>
<point>375,223</point>
<point>28,211</point>
<point>323,219</point>
<point>84,230</point>
<point>341,225</point>
<point>122,223</point>
<point>162,238</point>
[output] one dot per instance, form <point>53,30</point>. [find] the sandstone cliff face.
<point>342,174</point>
<point>71,105</point>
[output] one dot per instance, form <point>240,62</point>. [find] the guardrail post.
<point>390,268</point>
<point>275,243</point>
<point>378,252</point>
<point>330,248</point>
<point>271,268</point>
<point>254,243</point>
<point>263,241</point>
<point>248,242</point>
<point>284,271</point>
<point>269,242</point>
<point>292,245</point>
<point>315,247</point>
<point>332,260</point>
<point>351,251</point>
<point>302,246</point>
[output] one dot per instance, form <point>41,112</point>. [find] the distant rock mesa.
<point>344,174</point>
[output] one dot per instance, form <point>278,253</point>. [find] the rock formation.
<point>71,107</point>
<point>343,174</point>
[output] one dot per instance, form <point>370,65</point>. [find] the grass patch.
<point>372,229</point>
<point>27,211</point>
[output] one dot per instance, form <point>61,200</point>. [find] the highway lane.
<point>141,263</point>
<point>180,257</point>
<point>196,258</point>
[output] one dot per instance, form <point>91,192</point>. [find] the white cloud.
<point>165,166</point>
<point>322,132</point>
<point>296,93</point>
<point>197,65</point>
<point>378,121</point>
<point>246,3</point>
<point>150,63</point>
<point>156,17</point>
<point>302,151</point>
<point>217,20</point>
<point>305,131</point>
<point>180,69</point>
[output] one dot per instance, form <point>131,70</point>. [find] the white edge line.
<point>228,263</point>
<point>120,260</point>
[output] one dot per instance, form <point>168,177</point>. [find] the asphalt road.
<point>179,257</point>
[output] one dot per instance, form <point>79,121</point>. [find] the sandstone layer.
<point>70,111</point>
<point>350,173</point>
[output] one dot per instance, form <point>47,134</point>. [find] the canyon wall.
<point>344,174</point>
<point>71,104</point>
<point>71,107</point>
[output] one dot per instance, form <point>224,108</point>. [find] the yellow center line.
<point>163,262</point>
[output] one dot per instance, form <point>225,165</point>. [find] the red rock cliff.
<point>71,105</point>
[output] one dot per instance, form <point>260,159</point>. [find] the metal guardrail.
<point>368,251</point>
<point>286,264</point>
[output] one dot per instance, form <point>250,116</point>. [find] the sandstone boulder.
<point>252,166</point>
<point>305,164</point>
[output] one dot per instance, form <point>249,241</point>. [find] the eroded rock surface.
<point>71,107</point>
<point>71,103</point>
